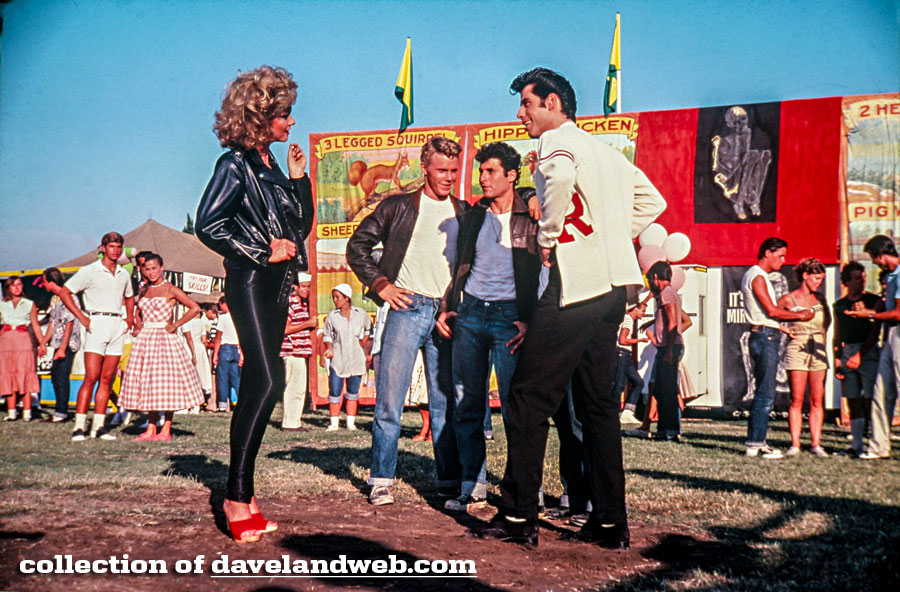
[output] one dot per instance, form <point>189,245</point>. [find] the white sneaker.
<point>818,451</point>
<point>764,452</point>
<point>628,417</point>
<point>792,451</point>
<point>332,428</point>
<point>352,427</point>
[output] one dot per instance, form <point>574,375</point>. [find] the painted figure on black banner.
<point>739,171</point>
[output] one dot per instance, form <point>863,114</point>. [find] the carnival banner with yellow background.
<point>352,173</point>
<point>872,154</point>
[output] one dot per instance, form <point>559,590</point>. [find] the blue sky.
<point>106,107</point>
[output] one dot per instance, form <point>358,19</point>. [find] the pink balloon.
<point>650,254</point>
<point>678,277</point>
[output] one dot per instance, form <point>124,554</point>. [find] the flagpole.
<point>619,71</point>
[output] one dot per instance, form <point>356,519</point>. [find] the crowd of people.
<point>531,282</point>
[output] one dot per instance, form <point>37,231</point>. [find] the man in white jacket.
<point>594,202</point>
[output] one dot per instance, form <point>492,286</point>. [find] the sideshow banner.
<point>619,131</point>
<point>738,382</point>
<point>352,173</point>
<point>736,164</point>
<point>735,174</point>
<point>872,131</point>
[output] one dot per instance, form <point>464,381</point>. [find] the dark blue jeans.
<point>480,332</point>
<point>59,376</point>
<point>336,387</point>
<point>626,370</point>
<point>228,374</point>
<point>763,347</point>
<point>666,392</point>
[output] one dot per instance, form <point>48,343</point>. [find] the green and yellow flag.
<point>404,89</point>
<point>611,97</point>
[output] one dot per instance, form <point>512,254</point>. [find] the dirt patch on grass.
<point>180,525</point>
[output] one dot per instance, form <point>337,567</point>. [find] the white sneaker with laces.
<point>764,452</point>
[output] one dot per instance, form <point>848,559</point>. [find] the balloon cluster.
<point>125,259</point>
<point>658,245</point>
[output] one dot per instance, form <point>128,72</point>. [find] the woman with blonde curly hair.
<point>806,356</point>
<point>257,218</point>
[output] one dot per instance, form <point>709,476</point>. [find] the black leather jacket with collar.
<point>392,224</point>
<point>247,204</point>
<point>526,257</point>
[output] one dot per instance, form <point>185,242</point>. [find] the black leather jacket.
<point>526,257</point>
<point>246,205</point>
<point>392,224</point>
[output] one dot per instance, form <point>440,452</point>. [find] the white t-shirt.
<point>492,277</point>
<point>195,328</point>
<point>428,264</point>
<point>102,290</point>
<point>756,314</point>
<point>226,327</point>
<point>627,323</point>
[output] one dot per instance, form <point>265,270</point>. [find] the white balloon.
<point>677,246</point>
<point>678,277</point>
<point>655,234</point>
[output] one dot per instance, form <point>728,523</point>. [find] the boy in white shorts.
<point>105,287</point>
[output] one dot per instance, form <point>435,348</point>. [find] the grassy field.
<point>727,522</point>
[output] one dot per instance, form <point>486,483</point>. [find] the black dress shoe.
<point>615,536</point>
<point>501,529</point>
<point>448,492</point>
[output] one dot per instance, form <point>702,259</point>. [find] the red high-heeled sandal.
<point>239,528</point>
<point>263,524</point>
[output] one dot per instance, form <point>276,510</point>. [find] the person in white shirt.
<point>594,202</point>
<point>227,357</point>
<point>347,330</point>
<point>418,231</point>
<point>106,290</point>
<point>765,340</point>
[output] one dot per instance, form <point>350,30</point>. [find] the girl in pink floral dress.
<point>160,376</point>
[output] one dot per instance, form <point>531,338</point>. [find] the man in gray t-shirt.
<point>497,258</point>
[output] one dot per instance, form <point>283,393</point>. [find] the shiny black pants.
<point>253,301</point>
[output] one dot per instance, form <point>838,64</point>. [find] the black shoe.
<point>558,513</point>
<point>78,436</point>
<point>524,532</point>
<point>615,536</point>
<point>449,492</point>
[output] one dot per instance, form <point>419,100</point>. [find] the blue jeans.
<point>405,332</point>
<point>666,392</point>
<point>228,374</point>
<point>763,347</point>
<point>626,370</point>
<point>336,386</point>
<point>59,376</point>
<point>480,332</point>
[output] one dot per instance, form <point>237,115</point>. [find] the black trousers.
<point>252,298</point>
<point>578,343</point>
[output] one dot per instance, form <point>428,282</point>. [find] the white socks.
<point>97,422</point>
<point>351,421</point>
<point>335,420</point>
<point>80,421</point>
